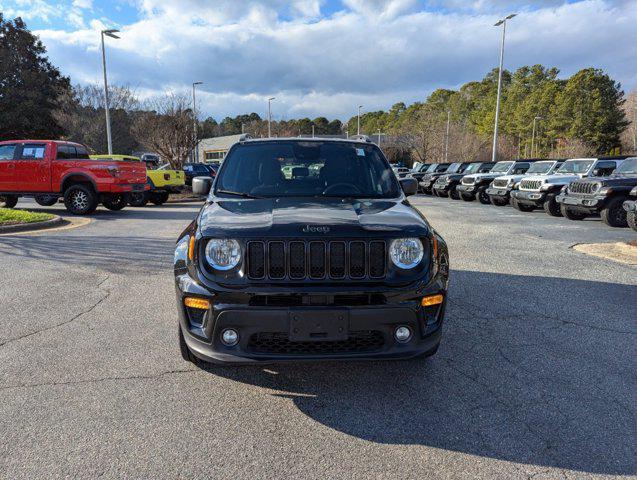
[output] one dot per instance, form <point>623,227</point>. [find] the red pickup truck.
<point>48,169</point>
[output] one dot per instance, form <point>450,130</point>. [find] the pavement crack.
<point>65,322</point>
<point>99,380</point>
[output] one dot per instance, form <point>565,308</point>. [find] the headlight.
<point>511,183</point>
<point>222,253</point>
<point>545,186</point>
<point>406,252</point>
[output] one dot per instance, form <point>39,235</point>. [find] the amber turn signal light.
<point>432,300</point>
<point>191,248</point>
<point>199,303</point>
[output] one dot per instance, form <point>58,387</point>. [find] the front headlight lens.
<point>406,252</point>
<point>222,253</point>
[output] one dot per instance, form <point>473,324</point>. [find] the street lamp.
<point>359,120</point>
<point>502,22</point>
<point>270,116</point>
<point>533,135</point>
<point>109,33</point>
<point>447,136</point>
<point>194,114</point>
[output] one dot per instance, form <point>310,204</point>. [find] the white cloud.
<point>377,53</point>
<point>29,10</point>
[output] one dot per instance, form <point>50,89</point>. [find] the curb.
<point>187,200</point>
<point>33,226</point>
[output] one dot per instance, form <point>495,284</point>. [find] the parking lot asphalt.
<point>535,377</point>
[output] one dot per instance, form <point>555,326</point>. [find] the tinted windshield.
<point>501,167</point>
<point>331,169</point>
<point>628,167</point>
<point>540,167</point>
<point>575,166</point>
<point>454,167</point>
<point>472,168</point>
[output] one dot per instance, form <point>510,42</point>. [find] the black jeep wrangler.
<point>600,195</point>
<point>330,262</point>
<point>447,185</point>
<point>630,206</point>
<point>426,180</point>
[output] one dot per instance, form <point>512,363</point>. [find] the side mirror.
<point>201,186</point>
<point>409,185</point>
<point>597,172</point>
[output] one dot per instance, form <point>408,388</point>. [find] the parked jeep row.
<point>573,188</point>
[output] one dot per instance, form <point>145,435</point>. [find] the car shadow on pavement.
<point>532,370</point>
<point>113,254</point>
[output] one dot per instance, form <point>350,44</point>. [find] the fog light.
<point>402,334</point>
<point>230,337</point>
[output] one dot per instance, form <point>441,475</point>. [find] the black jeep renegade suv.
<point>308,249</point>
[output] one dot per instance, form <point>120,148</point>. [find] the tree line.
<point>583,115</point>
<point>541,116</point>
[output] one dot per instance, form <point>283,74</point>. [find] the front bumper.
<point>630,205</point>
<point>588,204</point>
<point>530,197</point>
<point>426,184</point>
<point>471,189</point>
<point>499,192</point>
<point>267,333</point>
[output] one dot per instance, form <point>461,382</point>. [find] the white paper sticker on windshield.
<point>360,152</point>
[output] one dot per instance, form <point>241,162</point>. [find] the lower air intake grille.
<point>364,341</point>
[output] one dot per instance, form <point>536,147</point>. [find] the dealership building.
<point>215,149</point>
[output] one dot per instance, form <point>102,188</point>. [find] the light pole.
<point>502,22</point>
<point>194,114</point>
<point>379,138</point>
<point>359,120</point>
<point>109,33</point>
<point>312,131</point>
<point>533,135</point>
<point>447,136</point>
<point>270,116</point>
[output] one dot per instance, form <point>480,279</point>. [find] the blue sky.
<point>324,57</point>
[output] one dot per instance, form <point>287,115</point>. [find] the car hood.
<point>617,180</point>
<point>559,178</point>
<point>480,176</point>
<point>292,217</point>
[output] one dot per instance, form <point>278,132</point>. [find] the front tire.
<point>80,199</point>
<point>467,198</point>
<point>614,214</point>
<point>139,199</point>
<point>46,200</point>
<point>498,202</point>
<point>453,194</point>
<point>8,201</point>
<point>571,214</point>
<point>631,220</point>
<point>521,206</point>
<point>551,207</point>
<point>483,196</point>
<point>186,354</point>
<point>115,202</point>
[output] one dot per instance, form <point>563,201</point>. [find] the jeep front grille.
<point>278,343</point>
<point>530,184</point>
<point>468,180</point>
<point>316,259</point>
<point>500,183</point>
<point>583,188</point>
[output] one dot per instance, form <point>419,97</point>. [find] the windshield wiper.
<point>237,194</point>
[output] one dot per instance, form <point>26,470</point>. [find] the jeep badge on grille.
<point>316,229</point>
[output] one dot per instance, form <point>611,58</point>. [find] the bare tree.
<point>629,136</point>
<point>166,126</point>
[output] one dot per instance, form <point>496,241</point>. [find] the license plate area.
<point>318,325</point>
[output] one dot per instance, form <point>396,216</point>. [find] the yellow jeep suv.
<point>162,181</point>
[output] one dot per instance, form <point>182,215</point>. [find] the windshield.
<point>628,167</point>
<point>501,167</point>
<point>474,167</point>
<point>540,167</point>
<point>329,169</point>
<point>575,166</point>
<point>454,167</point>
